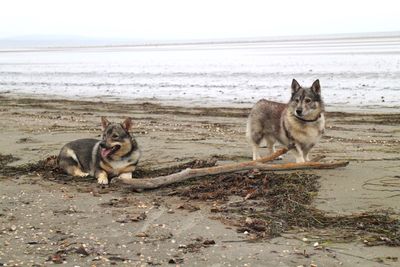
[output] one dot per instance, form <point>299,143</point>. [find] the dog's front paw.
<point>125,176</point>
<point>79,173</point>
<point>102,179</point>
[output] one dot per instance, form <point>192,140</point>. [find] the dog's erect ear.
<point>316,87</point>
<point>295,86</point>
<point>127,124</point>
<point>104,122</point>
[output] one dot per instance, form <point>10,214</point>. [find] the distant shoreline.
<point>367,109</point>
<point>82,42</point>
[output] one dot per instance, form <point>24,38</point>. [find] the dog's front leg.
<point>298,153</point>
<point>102,177</point>
<point>306,158</point>
<point>306,150</point>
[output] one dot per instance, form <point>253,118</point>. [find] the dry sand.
<point>90,226</point>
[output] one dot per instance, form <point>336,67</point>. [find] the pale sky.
<point>202,19</point>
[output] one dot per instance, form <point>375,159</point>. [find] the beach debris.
<point>175,261</point>
<point>132,218</point>
<point>189,207</point>
<point>6,159</point>
<point>156,182</point>
<point>196,169</point>
<point>197,245</point>
<point>287,206</point>
<point>82,250</point>
<point>208,242</point>
<point>142,234</point>
<point>272,203</point>
<point>56,258</point>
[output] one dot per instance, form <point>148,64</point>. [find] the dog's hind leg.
<point>254,138</point>
<point>255,145</point>
<point>270,144</point>
<point>255,141</point>
<point>256,151</point>
<point>270,140</point>
<point>68,161</point>
<point>76,171</point>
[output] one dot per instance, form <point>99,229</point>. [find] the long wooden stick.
<point>151,183</point>
<point>301,166</point>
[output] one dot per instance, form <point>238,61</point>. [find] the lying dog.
<point>301,122</point>
<point>117,154</point>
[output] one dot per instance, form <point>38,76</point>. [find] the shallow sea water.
<point>358,73</point>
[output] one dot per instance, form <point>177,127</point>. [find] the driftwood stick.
<point>151,183</point>
<point>302,166</point>
<point>275,155</point>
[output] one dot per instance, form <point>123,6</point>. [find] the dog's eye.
<point>115,136</point>
<point>307,100</point>
<point>297,100</point>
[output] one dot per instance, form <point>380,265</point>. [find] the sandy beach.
<point>47,221</point>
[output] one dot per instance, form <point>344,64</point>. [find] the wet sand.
<point>40,217</point>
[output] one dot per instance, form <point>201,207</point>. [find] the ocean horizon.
<point>361,72</point>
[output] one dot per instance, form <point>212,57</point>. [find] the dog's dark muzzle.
<point>103,144</point>
<point>299,111</point>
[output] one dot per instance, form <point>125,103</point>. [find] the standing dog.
<point>117,154</point>
<point>301,122</point>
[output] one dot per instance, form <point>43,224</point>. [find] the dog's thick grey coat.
<point>301,122</point>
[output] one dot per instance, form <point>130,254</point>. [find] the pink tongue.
<point>104,152</point>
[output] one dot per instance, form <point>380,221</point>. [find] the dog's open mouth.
<point>106,152</point>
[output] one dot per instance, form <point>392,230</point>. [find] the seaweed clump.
<point>6,159</point>
<point>46,168</point>
<point>272,204</point>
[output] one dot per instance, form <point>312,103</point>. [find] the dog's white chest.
<point>118,165</point>
<point>311,135</point>
<point>308,133</point>
<point>124,165</point>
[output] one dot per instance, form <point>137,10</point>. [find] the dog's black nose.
<point>299,111</point>
<point>102,144</point>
